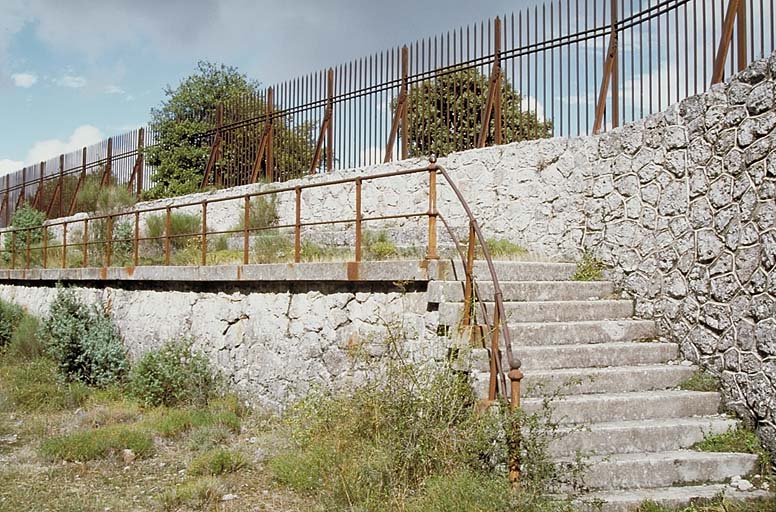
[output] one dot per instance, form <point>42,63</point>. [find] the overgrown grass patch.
<point>700,381</point>
<point>174,422</point>
<point>217,461</point>
<point>198,494</point>
<point>589,268</point>
<point>738,440</point>
<point>98,443</point>
<point>36,386</point>
<point>718,504</point>
<point>501,248</point>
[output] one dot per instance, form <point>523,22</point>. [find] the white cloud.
<point>24,80</point>
<point>82,136</point>
<point>7,166</point>
<point>72,81</point>
<point>114,89</point>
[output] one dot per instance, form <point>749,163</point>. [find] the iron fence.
<point>562,68</point>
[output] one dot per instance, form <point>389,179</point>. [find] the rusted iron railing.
<point>561,68</point>
<point>95,242</point>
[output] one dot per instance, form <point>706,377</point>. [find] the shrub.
<point>103,199</point>
<point>174,375</point>
<point>10,316</point>
<point>378,246</point>
<point>36,386</point>
<point>464,491</point>
<point>25,345</point>
<point>588,269</point>
<point>272,247</point>
<point>84,341</point>
<point>98,443</point>
<point>23,218</point>
<point>217,461</point>
<point>263,213</point>
<point>180,224</point>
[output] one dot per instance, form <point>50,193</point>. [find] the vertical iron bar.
<point>357,255</point>
<point>203,235</point>
<point>108,239</point>
<point>615,69</point>
<point>85,248</point>
<point>298,225</point>
<point>246,228</point>
<point>432,213</point>
<point>167,229</point>
<point>64,245</point>
<point>136,241</point>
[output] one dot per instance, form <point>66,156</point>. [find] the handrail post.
<point>357,254</point>
<point>203,235</point>
<point>136,241</point>
<point>85,248</point>
<point>298,226</point>
<point>432,214</point>
<point>167,229</point>
<point>45,246</point>
<point>330,127</point>
<point>27,255</point>
<point>468,290</point>
<point>108,240</point>
<point>741,30</point>
<point>64,245</point>
<point>61,184</point>
<point>13,249</point>
<point>246,228</point>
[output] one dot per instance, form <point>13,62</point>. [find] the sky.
<point>74,72</point>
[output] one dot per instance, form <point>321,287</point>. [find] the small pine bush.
<point>174,375</point>
<point>24,217</point>
<point>84,341</point>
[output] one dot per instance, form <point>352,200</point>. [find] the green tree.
<point>445,114</point>
<point>188,113</point>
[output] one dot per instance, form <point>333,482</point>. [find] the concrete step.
<point>452,291</point>
<point>583,356</point>
<point>665,469</point>
<point>669,497</point>
<point>578,381</point>
<point>516,271</point>
<point>610,407</point>
<point>639,436</point>
<point>548,311</point>
<point>595,331</point>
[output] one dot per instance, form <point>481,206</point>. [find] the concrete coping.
<point>365,271</point>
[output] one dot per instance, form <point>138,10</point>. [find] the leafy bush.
<point>36,386</point>
<point>180,224</point>
<point>588,269</point>
<point>23,218</point>
<point>10,316</point>
<point>84,341</point>
<point>217,461</point>
<point>174,375</point>
<point>106,199</point>
<point>99,443</point>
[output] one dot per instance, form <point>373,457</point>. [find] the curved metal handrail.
<point>514,363</point>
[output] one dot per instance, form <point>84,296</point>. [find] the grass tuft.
<point>98,443</point>
<point>36,386</point>
<point>700,381</point>
<point>501,248</point>
<point>199,494</point>
<point>588,269</point>
<point>217,461</point>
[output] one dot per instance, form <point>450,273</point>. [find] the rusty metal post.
<point>108,171</point>
<point>400,114</point>
<point>45,246</point>
<point>741,33</point>
<point>167,229</point>
<point>136,241</point>
<point>27,255</point>
<point>724,42</point>
<point>269,160</point>
<point>64,245</point>
<point>140,162</point>
<point>432,214</point>
<point>330,127</point>
<point>108,239</point>
<point>495,355</point>
<point>13,249</point>
<point>85,248</point>
<point>215,151</point>
<point>494,89</point>
<point>81,179</point>
<point>6,200</point>
<point>22,196</point>
<point>203,235</point>
<point>616,69</point>
<point>326,128</point>
<point>219,127</point>
<point>468,290</point>
<point>298,226</point>
<point>61,184</point>
<point>39,192</point>
<point>609,73</point>
<point>357,255</point>
<point>497,98</point>
<point>246,228</point>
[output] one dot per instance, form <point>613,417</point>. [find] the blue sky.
<point>73,72</point>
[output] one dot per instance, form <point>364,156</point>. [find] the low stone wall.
<point>273,342</point>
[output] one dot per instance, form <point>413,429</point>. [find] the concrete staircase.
<point>619,399</point>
